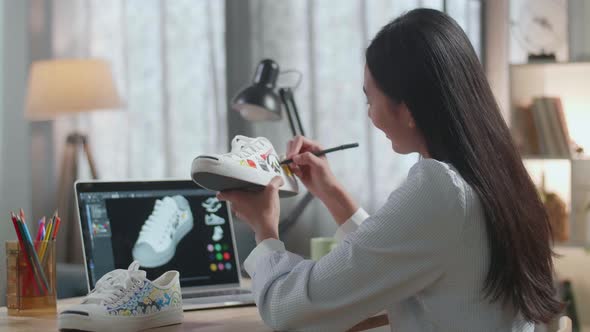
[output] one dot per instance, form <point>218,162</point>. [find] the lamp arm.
<point>288,100</point>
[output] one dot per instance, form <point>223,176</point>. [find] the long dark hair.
<point>425,60</point>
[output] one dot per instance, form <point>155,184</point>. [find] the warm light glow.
<point>69,86</point>
<point>577,114</point>
<point>568,81</point>
<point>557,176</point>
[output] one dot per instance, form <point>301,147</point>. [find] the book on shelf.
<point>544,129</point>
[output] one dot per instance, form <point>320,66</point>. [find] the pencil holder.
<point>30,281</point>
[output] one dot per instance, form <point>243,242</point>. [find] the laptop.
<point>112,215</point>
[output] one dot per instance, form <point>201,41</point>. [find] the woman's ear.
<point>406,115</point>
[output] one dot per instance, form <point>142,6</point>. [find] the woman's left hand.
<point>260,210</point>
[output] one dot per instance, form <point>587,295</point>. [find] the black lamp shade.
<point>259,101</point>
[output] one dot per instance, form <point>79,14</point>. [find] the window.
<point>168,58</point>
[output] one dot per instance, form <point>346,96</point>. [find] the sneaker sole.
<point>71,322</point>
<point>214,175</point>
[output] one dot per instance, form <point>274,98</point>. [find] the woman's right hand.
<point>316,175</point>
<point>313,171</point>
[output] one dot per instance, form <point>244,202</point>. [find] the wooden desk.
<point>214,320</point>
<point>210,320</point>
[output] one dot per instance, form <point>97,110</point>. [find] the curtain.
<point>168,59</point>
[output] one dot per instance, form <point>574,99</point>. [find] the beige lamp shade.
<point>70,86</point>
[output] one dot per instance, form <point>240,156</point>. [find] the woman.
<point>462,245</point>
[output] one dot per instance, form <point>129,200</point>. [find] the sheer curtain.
<point>168,59</point>
<point>326,40</point>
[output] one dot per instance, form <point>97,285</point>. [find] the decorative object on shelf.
<point>556,212</point>
<point>539,29</point>
<point>558,217</point>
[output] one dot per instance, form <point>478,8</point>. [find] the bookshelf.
<point>566,174</point>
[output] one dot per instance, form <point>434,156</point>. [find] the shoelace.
<point>113,285</point>
<point>152,226</point>
<point>250,149</point>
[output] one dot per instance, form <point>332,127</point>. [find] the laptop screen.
<point>165,225</point>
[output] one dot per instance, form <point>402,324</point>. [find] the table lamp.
<point>64,87</point>
<point>260,102</point>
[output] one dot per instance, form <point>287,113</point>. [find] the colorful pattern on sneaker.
<point>251,164</point>
<point>126,300</point>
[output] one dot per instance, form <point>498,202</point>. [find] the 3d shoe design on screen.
<point>250,165</point>
<point>213,220</point>
<point>169,222</point>
<point>212,204</point>
<point>125,300</point>
<point>217,233</point>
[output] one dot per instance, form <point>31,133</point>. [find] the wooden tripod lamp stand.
<point>63,87</point>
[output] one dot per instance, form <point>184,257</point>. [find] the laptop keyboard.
<point>217,293</point>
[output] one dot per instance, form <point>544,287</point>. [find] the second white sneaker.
<point>125,300</point>
<point>169,222</point>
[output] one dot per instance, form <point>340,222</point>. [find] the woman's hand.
<point>316,175</point>
<point>260,210</point>
<point>313,171</point>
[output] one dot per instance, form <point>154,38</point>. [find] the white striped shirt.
<point>423,258</point>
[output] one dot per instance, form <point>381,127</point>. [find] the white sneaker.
<point>170,221</point>
<point>125,300</point>
<point>251,164</point>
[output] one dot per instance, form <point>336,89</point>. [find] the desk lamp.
<point>260,102</point>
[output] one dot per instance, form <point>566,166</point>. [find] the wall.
<point>43,159</point>
<point>579,30</point>
<point>496,41</point>
<point>1,84</point>
<point>4,227</point>
<point>15,191</point>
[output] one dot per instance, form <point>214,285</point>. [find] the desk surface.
<point>210,320</point>
<point>225,319</point>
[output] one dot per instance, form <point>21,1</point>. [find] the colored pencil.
<point>51,237</point>
<point>40,233</point>
<point>33,254</point>
<point>56,227</point>
<point>23,252</point>
<point>17,230</point>
<point>26,250</point>
<point>46,238</point>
